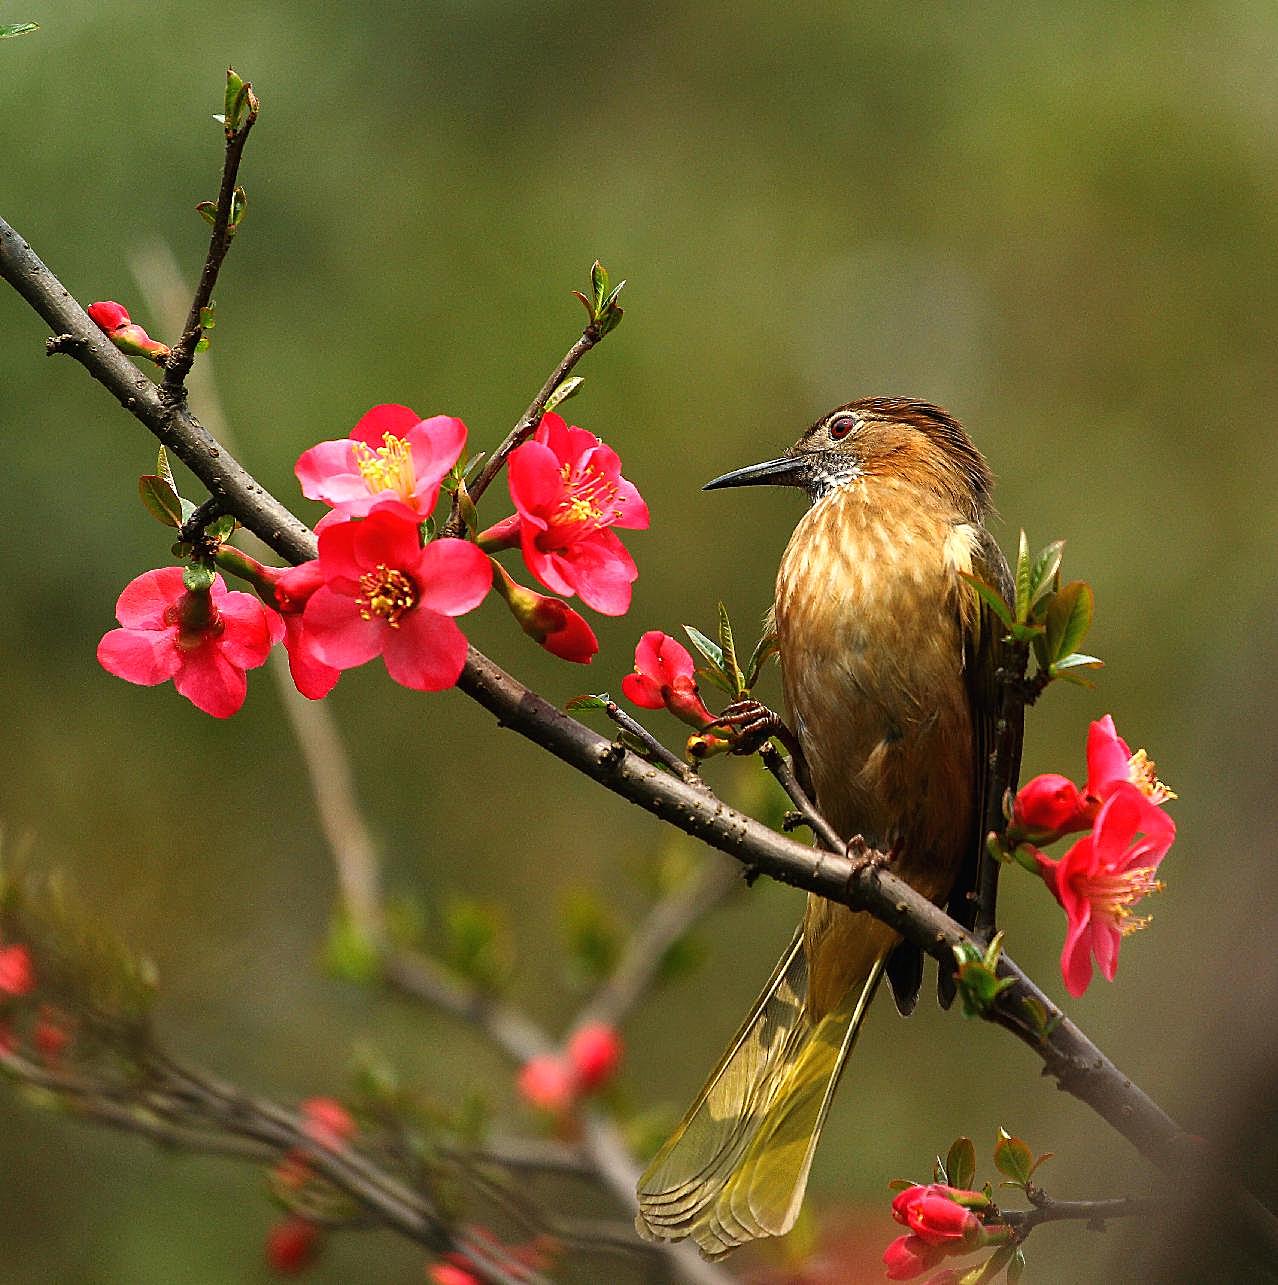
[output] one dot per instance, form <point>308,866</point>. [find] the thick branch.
<point>1076,1063</point>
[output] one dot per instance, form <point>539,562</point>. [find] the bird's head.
<point>888,437</point>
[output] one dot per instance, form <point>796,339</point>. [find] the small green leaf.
<point>1069,616</point>
<point>729,647</point>
<point>479,946</point>
<point>939,1173</point>
<point>349,955</point>
<point>600,284</point>
<point>202,343</point>
<point>707,647</point>
<point>588,701</point>
<point>208,315</point>
<point>1012,1158</point>
<point>162,467</point>
<point>1077,660</point>
<point>717,678</point>
<point>764,650</point>
<point>901,1184</point>
<point>1041,1160</point>
<point>222,529</point>
<point>1026,632</point>
<point>1043,576</point>
<point>207,210</point>
<point>239,207</point>
<point>1016,1268</point>
<point>1023,571</point>
<point>991,596</point>
<point>960,1163</point>
<point>565,390</point>
<point>234,98</point>
<point>466,507</point>
<point>592,936</point>
<point>160,500</point>
<point>8,29</point>
<point>472,466</point>
<point>198,578</point>
<point>994,1264</point>
<point>978,984</point>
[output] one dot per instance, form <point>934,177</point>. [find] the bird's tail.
<point>736,1167</point>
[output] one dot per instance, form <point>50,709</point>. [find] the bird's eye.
<point>841,426</point>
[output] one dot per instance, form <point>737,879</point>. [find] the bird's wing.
<point>984,647</point>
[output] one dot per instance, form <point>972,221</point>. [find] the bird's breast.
<point>871,644</point>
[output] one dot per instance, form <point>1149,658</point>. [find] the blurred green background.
<point>1056,221</point>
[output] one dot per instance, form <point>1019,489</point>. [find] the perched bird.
<point>888,665</point>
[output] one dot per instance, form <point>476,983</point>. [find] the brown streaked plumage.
<point>887,663</point>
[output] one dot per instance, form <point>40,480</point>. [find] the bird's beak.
<point>789,470</point>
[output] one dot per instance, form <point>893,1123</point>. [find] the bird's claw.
<point>864,857</point>
<point>751,724</point>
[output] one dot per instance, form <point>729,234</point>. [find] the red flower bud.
<point>17,976</point>
<point>548,1083</point>
<point>934,1215</point>
<point>108,315</point>
<point>327,1122</point>
<point>113,318</point>
<point>550,621</point>
<point>665,675</point>
<point>594,1053</point>
<point>451,1273</point>
<point>291,1246</point>
<point>1048,806</point>
<point>908,1256</point>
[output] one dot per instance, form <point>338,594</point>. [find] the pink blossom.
<point>125,334</point>
<point>1101,877</point>
<point>204,641</point>
<point>17,975</point>
<point>934,1213</point>
<point>569,493</point>
<point>392,456</point>
<point>327,1122</point>
<point>385,595</point>
<point>665,676</point>
<point>594,1053</point>
<point>292,589</point>
<point>292,1246</point>
<point>910,1256</point>
<point>549,621</point>
<point>548,1082</point>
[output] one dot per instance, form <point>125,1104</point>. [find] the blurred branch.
<point>1077,1064</point>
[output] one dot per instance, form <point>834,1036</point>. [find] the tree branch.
<point>1075,1062</point>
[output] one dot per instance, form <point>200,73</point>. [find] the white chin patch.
<point>822,484</point>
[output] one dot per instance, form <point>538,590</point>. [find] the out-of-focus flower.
<point>51,1034</point>
<point>392,456</point>
<point>549,621</point>
<point>125,334</point>
<point>548,1083</point>
<point>569,493</point>
<point>204,640</point>
<point>910,1256</point>
<point>664,675</point>
<point>327,1122</point>
<point>1098,881</point>
<point>292,1246</point>
<point>934,1213</point>
<point>384,594</point>
<point>17,974</point>
<point>594,1053</point>
<point>1050,806</point>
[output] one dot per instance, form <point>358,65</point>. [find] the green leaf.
<point>208,315</point>
<point>901,1184</point>
<point>1016,1268</point>
<point>600,284</point>
<point>592,936</point>
<point>239,207</point>
<point>234,98</point>
<point>610,319</point>
<point>707,647</point>
<point>160,500</point>
<point>198,578</point>
<point>717,678</point>
<point>8,29</point>
<point>992,1265</point>
<point>726,642</point>
<point>978,984</point>
<point>764,650</point>
<point>991,597</point>
<point>1041,1160</point>
<point>564,391</point>
<point>349,954</point>
<point>1023,571</point>
<point>478,946</point>
<point>589,700</point>
<point>1069,616</point>
<point>960,1163</point>
<point>472,466</point>
<point>1026,632</point>
<point>162,467</point>
<point>222,529</point>
<point>1043,576</point>
<point>207,210</point>
<point>1012,1158</point>
<point>1077,660</point>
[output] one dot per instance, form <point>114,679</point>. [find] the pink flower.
<point>549,621</point>
<point>327,1122</point>
<point>548,1083</point>
<point>910,1256</point>
<point>204,641</point>
<point>665,675</point>
<point>291,1246</point>
<point>451,1273</point>
<point>385,595</point>
<point>594,1053</point>
<point>292,590</point>
<point>1101,877</point>
<point>1051,806</point>
<point>17,974</point>
<point>113,318</point>
<point>392,456</point>
<point>935,1215</point>
<point>568,493</point>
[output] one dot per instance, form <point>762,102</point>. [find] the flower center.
<point>1142,772</point>
<point>592,502</point>
<point>386,593</point>
<point>1114,895</point>
<point>386,468</point>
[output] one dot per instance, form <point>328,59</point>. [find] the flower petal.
<point>389,417</point>
<point>536,483</point>
<point>453,577</point>
<point>144,600</point>
<point>426,652</point>
<point>251,630</point>
<point>311,676</point>
<point>436,445</point>
<point>338,635</point>
<point>211,682</point>
<point>328,472</point>
<point>602,571</point>
<point>142,656</point>
<point>640,690</point>
<point>1107,757</point>
<point>387,538</point>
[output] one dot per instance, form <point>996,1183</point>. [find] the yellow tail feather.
<point>736,1167</point>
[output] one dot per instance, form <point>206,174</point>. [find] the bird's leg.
<point>864,857</point>
<point>751,724</point>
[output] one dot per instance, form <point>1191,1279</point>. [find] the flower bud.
<point>126,335</point>
<point>594,1053</point>
<point>291,1246</point>
<point>17,975</point>
<point>548,1083</point>
<point>548,621</point>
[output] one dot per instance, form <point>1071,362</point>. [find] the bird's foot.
<point>864,857</point>
<point>751,724</point>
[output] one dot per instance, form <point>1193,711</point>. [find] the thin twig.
<point>1093,1212</point>
<point>654,748</point>
<point>523,430</point>
<point>783,770</point>
<point>179,362</point>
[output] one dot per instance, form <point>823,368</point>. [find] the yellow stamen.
<point>386,593</point>
<point>1142,771</point>
<point>388,467</point>
<point>1114,895</point>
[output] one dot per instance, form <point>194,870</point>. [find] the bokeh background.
<point>1056,221</point>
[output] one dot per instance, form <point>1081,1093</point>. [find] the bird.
<point>889,669</point>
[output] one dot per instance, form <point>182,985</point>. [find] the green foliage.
<point>478,945</point>
<point>8,29</point>
<point>592,936</point>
